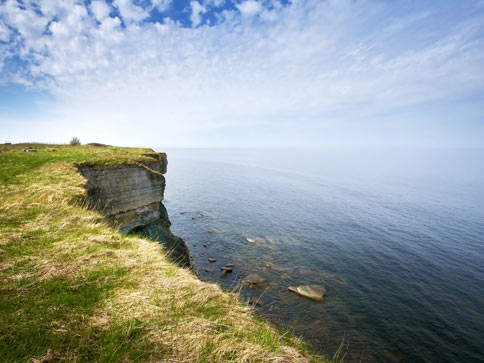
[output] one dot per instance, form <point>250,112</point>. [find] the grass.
<point>74,289</point>
<point>15,162</point>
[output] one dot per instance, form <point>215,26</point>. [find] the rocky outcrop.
<point>130,197</point>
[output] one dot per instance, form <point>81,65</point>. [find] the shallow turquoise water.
<point>396,237</point>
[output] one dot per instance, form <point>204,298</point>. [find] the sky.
<point>244,73</point>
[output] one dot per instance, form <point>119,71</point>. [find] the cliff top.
<point>20,158</point>
<point>72,288</point>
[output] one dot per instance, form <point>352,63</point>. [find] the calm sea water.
<point>396,237</point>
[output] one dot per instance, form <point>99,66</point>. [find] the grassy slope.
<point>71,288</point>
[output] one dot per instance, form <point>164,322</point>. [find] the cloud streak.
<point>309,66</point>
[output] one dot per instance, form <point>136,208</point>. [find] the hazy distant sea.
<point>395,236</point>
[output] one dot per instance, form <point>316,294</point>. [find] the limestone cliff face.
<point>130,196</point>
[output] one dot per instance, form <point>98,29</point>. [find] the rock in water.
<point>313,292</point>
<point>254,279</point>
<point>255,241</point>
<point>211,259</point>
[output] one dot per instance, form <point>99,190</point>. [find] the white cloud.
<point>197,9</point>
<point>100,9</point>
<point>4,33</point>
<point>30,25</point>
<point>161,5</point>
<point>249,7</point>
<point>130,12</point>
<point>309,64</point>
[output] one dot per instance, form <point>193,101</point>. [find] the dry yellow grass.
<point>74,289</point>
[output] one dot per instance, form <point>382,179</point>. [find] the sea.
<point>395,236</point>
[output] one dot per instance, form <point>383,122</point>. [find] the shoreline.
<point>95,293</point>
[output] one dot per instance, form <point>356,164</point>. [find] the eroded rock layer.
<point>130,196</point>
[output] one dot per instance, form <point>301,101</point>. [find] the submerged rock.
<point>272,240</point>
<point>215,231</point>
<point>303,271</point>
<point>256,241</point>
<point>254,279</point>
<point>313,292</point>
<point>276,267</point>
<point>257,301</point>
<point>336,278</point>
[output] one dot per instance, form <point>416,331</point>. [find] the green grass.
<point>42,315</point>
<point>123,340</point>
<point>14,162</point>
<point>74,289</point>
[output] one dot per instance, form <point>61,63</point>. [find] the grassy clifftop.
<point>72,288</point>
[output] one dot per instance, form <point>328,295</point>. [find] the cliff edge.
<point>74,289</point>
<point>131,199</point>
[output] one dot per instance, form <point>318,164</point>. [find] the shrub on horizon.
<point>75,141</point>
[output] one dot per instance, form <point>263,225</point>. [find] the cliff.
<point>131,199</point>
<point>72,288</point>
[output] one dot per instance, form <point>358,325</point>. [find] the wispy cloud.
<point>305,65</point>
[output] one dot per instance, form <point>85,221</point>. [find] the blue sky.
<point>244,73</point>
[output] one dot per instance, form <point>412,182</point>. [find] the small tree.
<point>75,141</point>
